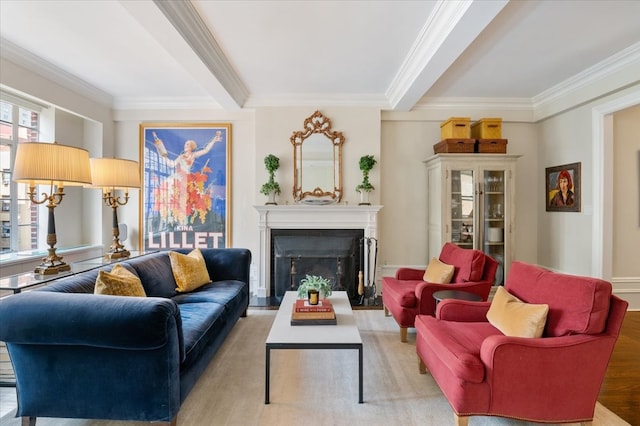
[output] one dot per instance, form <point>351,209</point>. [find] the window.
<point>18,123</point>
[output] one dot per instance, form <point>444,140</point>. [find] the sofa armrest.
<point>46,318</point>
<point>522,364</point>
<point>462,310</point>
<point>410,274</point>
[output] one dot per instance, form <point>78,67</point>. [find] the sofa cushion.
<point>515,318</point>
<point>189,270</point>
<point>469,264</point>
<point>577,305</point>
<point>457,344</point>
<point>155,273</point>
<point>201,323</point>
<point>438,272</point>
<point>119,282</point>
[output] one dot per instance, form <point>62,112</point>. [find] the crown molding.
<point>598,80</point>
<point>189,24</point>
<point>314,99</point>
<point>166,103</point>
<point>25,59</point>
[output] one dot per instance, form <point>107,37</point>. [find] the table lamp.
<point>56,165</point>
<point>112,174</point>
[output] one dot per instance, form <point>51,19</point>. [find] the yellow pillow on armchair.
<point>516,318</point>
<point>438,272</point>
<point>189,270</point>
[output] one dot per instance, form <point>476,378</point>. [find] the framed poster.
<point>186,187</point>
<point>563,189</point>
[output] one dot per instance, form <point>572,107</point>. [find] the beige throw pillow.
<point>119,282</point>
<point>438,272</point>
<point>516,318</point>
<point>189,270</point>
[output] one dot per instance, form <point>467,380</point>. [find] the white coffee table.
<point>343,335</point>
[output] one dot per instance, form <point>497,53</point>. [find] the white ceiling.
<point>243,54</point>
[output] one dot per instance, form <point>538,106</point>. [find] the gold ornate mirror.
<point>317,162</point>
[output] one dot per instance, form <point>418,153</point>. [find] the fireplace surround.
<point>308,217</point>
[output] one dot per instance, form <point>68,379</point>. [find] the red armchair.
<point>552,379</point>
<point>407,295</point>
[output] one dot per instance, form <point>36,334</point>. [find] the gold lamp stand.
<point>116,250</point>
<point>112,174</point>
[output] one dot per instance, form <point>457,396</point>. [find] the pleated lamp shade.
<point>114,173</point>
<point>51,163</point>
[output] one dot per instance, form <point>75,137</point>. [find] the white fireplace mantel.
<point>308,217</point>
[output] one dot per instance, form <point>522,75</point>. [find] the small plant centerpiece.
<point>366,164</point>
<point>271,188</point>
<point>316,285</point>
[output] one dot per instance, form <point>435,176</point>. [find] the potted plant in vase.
<point>366,164</point>
<point>312,285</point>
<point>271,188</point>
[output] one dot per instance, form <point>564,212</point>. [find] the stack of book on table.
<point>305,314</point>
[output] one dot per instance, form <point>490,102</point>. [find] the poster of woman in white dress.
<point>185,186</point>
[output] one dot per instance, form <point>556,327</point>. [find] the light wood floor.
<point>620,391</point>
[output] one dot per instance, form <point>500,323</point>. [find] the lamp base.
<point>50,269</point>
<point>117,254</point>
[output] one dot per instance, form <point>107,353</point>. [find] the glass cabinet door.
<point>462,208</point>
<point>494,217</point>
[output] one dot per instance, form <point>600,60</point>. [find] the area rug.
<point>315,387</point>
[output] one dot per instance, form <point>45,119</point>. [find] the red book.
<point>302,305</point>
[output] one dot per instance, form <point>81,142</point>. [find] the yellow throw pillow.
<point>189,270</point>
<point>119,282</point>
<point>516,318</point>
<point>438,272</point>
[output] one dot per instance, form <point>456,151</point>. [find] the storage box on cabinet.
<point>455,146</point>
<point>456,127</point>
<point>491,146</point>
<point>487,128</point>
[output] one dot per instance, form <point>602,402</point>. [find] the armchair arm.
<point>425,290</point>
<point>410,274</point>
<point>462,310</point>
<point>530,376</point>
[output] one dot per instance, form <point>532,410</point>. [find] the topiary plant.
<point>366,164</point>
<point>271,163</point>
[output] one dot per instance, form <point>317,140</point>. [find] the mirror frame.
<point>320,124</point>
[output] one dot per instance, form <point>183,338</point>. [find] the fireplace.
<point>331,253</point>
<point>308,217</point>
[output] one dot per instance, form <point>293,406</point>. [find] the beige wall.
<point>626,193</point>
<point>407,140</point>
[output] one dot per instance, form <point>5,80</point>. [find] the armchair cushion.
<point>438,272</point>
<point>513,317</point>
<point>469,264</point>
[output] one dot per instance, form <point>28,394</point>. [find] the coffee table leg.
<point>266,379</point>
<point>361,400</point>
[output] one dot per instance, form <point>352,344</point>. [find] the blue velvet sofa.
<point>80,355</point>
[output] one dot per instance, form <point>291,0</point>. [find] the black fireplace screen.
<point>330,253</point>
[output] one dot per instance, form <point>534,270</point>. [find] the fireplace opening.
<point>331,253</point>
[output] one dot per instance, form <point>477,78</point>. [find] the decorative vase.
<point>364,198</point>
<point>271,198</point>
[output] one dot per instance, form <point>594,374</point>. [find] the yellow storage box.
<point>487,128</point>
<point>456,127</point>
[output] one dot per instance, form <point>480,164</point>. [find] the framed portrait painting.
<point>563,188</point>
<point>186,187</point>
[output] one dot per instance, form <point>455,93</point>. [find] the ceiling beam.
<point>188,39</point>
<point>449,30</point>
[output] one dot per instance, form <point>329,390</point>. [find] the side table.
<point>439,296</point>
